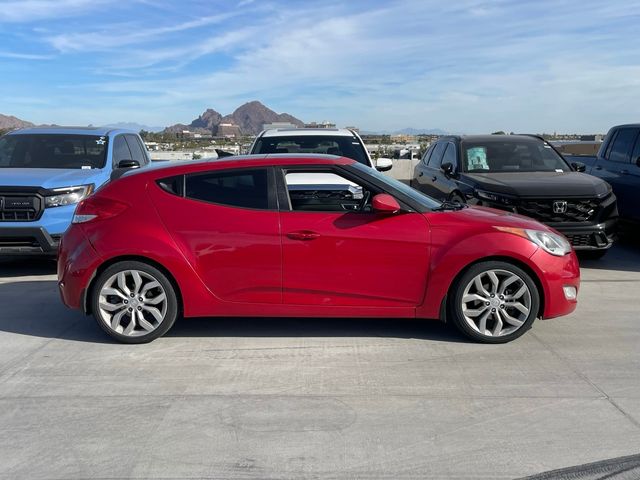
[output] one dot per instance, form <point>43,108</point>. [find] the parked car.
<point>254,236</point>
<point>522,174</point>
<point>618,162</point>
<point>45,172</point>
<point>331,141</point>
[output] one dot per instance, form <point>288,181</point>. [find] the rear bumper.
<point>598,236</point>
<point>28,241</point>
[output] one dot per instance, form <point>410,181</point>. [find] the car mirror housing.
<point>448,169</point>
<point>385,203</point>
<point>384,164</point>
<point>128,164</point>
<point>579,166</point>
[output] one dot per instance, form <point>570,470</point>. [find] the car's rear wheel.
<point>494,302</point>
<point>134,302</point>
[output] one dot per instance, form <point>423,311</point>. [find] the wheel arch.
<point>444,305</point>
<point>86,299</point>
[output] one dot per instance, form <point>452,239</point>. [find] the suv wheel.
<point>494,302</point>
<point>134,302</point>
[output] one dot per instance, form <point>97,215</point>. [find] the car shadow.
<point>623,256</point>
<point>26,266</point>
<point>34,308</point>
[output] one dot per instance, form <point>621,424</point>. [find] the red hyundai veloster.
<point>304,236</point>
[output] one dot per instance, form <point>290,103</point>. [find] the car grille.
<point>580,240</point>
<point>20,207</point>
<point>13,242</point>
<point>571,210</point>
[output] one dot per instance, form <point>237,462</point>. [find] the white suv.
<point>330,141</point>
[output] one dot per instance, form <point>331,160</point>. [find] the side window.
<point>136,150</point>
<point>622,145</point>
<point>635,156</point>
<point>244,188</point>
<point>427,154</point>
<point>120,150</point>
<point>436,157</point>
<point>326,191</point>
<point>450,155</point>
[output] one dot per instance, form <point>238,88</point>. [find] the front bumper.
<point>556,273</point>
<point>28,241</point>
<point>589,237</point>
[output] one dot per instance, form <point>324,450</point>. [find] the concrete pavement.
<point>303,398</point>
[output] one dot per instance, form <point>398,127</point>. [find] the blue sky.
<point>460,65</point>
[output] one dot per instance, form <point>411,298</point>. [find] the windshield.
<point>342,146</point>
<point>53,151</point>
<point>501,155</point>
<point>414,194</point>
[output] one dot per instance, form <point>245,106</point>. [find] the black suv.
<point>526,175</point>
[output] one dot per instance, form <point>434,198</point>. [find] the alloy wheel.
<point>132,303</point>
<point>496,303</point>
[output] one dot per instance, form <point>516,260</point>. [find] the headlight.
<point>550,242</point>
<point>495,197</point>
<point>60,197</point>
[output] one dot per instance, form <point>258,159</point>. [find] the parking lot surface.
<point>312,398</point>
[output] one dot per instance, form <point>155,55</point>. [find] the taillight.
<point>96,207</point>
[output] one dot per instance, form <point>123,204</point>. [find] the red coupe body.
<point>230,260</point>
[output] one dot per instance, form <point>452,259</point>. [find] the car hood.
<point>541,184</point>
<point>50,177</point>
<point>484,217</point>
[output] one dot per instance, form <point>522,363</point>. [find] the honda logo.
<point>560,206</point>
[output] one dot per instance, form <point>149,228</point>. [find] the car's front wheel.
<point>494,302</point>
<point>134,302</point>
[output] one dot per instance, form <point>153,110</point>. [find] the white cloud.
<point>33,10</point>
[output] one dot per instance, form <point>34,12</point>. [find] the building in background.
<point>274,125</point>
<point>324,124</point>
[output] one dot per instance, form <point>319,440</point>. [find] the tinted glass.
<point>121,150</point>
<point>635,156</point>
<point>436,157</point>
<point>136,150</point>
<point>241,188</point>
<point>501,155</point>
<point>414,194</point>
<point>427,154</point>
<point>342,146</point>
<point>52,151</point>
<point>622,144</point>
<point>450,155</point>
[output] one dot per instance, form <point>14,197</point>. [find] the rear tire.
<point>494,302</point>
<point>134,302</point>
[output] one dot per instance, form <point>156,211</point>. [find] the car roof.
<point>488,138</point>
<point>294,132</point>
<point>56,130</point>
<point>241,161</point>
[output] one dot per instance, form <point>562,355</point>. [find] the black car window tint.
<point>427,154</point>
<point>121,150</point>
<point>635,156</point>
<point>449,155</point>
<point>436,157</point>
<point>622,144</point>
<point>246,188</point>
<point>136,151</point>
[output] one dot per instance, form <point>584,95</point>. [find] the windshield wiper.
<point>449,205</point>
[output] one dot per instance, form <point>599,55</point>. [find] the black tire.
<point>591,254</point>
<point>455,310</point>
<point>168,289</point>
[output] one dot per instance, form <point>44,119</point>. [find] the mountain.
<point>9,122</point>
<point>134,126</point>
<point>249,117</point>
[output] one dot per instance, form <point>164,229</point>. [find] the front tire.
<point>134,302</point>
<point>494,302</point>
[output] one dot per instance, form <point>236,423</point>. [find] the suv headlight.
<point>550,242</point>
<point>495,197</point>
<point>60,197</point>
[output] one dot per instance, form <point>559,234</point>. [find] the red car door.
<point>337,252</point>
<point>227,226</point>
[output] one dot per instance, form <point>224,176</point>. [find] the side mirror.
<point>579,166</point>
<point>384,164</point>
<point>385,203</point>
<point>128,164</point>
<point>448,169</point>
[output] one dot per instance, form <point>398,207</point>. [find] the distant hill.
<point>9,122</point>
<point>134,126</point>
<point>249,117</point>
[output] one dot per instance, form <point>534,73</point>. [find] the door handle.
<point>434,178</point>
<point>421,174</point>
<point>598,167</point>
<point>624,172</point>
<point>303,235</point>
